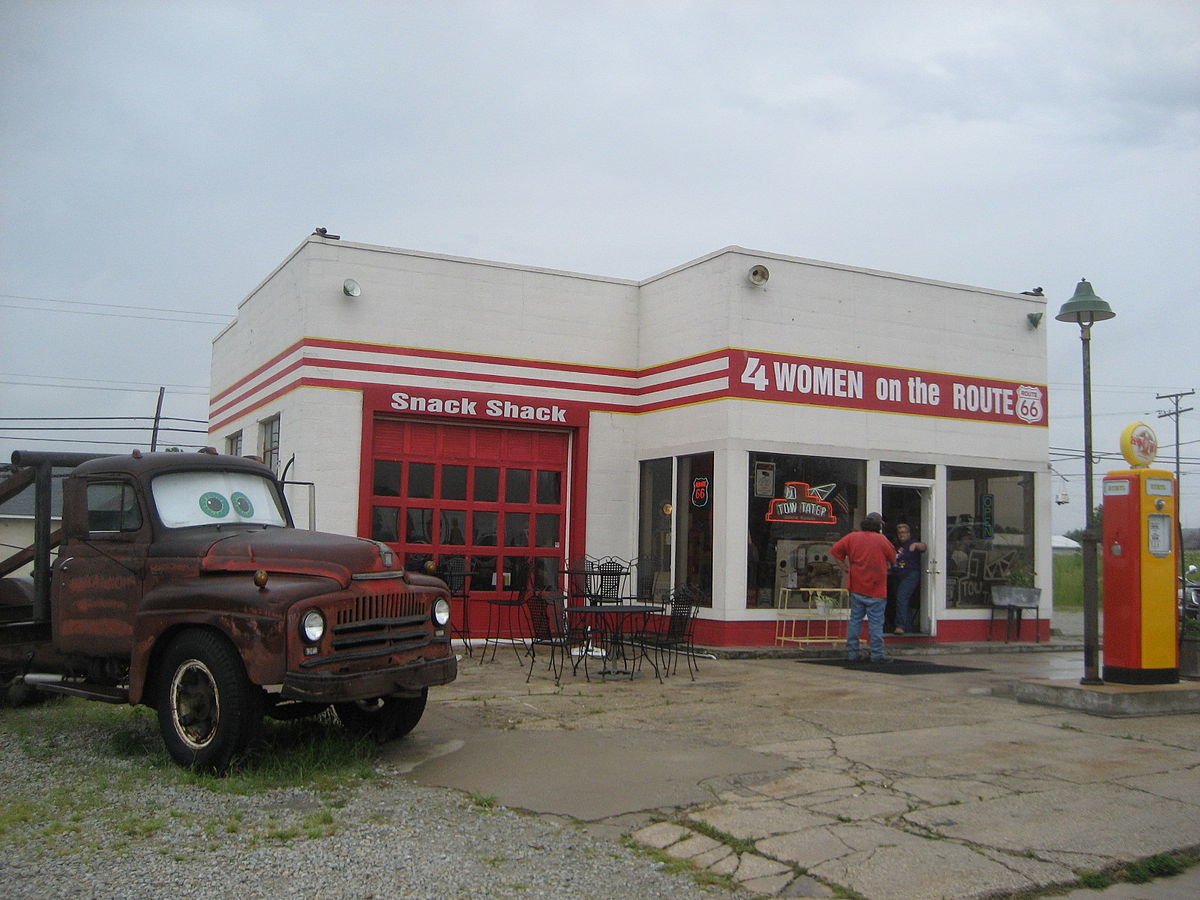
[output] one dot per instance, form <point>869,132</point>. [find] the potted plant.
<point>1189,648</point>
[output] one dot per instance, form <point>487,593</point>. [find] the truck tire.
<point>384,718</point>
<point>208,711</point>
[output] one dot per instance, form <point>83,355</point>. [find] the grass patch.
<point>317,754</point>
<point>482,801</point>
<point>1161,866</point>
<point>97,776</point>
<point>1068,581</point>
<point>1068,578</point>
<point>674,866</point>
<point>736,844</point>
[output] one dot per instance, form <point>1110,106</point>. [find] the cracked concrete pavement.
<point>791,778</point>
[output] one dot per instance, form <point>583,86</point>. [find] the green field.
<point>1068,579</point>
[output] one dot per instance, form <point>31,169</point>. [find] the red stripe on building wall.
<point>752,375</point>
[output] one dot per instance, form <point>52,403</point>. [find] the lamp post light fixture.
<point>1085,309</point>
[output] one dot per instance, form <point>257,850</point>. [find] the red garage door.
<point>495,497</point>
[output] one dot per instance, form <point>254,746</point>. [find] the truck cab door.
<point>97,581</point>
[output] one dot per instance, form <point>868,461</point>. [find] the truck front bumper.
<point>408,679</point>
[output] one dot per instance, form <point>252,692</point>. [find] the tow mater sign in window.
<point>801,503</point>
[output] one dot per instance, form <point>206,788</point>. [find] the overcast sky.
<point>166,156</point>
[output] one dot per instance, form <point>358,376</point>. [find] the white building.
<point>723,422</point>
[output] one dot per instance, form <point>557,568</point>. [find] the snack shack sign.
<point>823,382</point>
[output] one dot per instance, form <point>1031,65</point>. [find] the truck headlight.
<point>312,626</point>
<point>441,612</point>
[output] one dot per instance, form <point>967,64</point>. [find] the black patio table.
<point>618,624</point>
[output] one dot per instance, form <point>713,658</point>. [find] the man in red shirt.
<point>866,555</point>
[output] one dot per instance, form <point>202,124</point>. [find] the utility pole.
<point>1175,414</point>
<point>157,419</point>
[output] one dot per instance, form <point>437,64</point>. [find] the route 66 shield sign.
<point>700,491</point>
<point>1029,404</point>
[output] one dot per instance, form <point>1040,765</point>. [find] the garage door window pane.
<point>516,486</point>
<point>384,524</point>
<point>454,526</point>
<point>420,526</point>
<point>387,478</point>
<point>454,482</point>
<point>485,529</point>
<point>420,480</point>
<point>487,484</point>
<point>549,488</point>
<point>547,530</point>
<point>516,530</point>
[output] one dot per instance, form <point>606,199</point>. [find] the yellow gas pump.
<point>1140,627</point>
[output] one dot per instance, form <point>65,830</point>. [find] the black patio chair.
<point>608,580</point>
<point>671,634</point>
<point>550,628</point>
<point>506,616</point>
<point>457,576</point>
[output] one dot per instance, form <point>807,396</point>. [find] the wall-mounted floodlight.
<point>1035,319</point>
<point>758,275</point>
<point>351,288</point>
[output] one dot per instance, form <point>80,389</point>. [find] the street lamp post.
<point>1085,309</point>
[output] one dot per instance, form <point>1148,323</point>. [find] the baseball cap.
<point>875,516</point>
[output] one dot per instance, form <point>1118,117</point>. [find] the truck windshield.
<point>185,499</point>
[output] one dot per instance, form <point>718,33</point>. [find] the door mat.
<point>898,666</point>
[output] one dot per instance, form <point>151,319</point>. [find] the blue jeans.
<point>905,588</point>
<point>873,609</point>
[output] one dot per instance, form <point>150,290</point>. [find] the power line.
<point>100,428</point>
<point>169,315</point>
<point>100,419</point>
<point>92,385</point>
<point>24,439</point>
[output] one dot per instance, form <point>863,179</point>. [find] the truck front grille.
<point>382,623</point>
<point>398,604</point>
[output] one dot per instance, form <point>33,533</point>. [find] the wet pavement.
<point>797,780</point>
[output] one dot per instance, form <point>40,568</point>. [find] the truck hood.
<point>293,551</point>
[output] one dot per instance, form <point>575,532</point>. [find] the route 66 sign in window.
<point>701,491</point>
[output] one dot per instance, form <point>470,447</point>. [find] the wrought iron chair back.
<point>549,627</point>
<point>607,579</point>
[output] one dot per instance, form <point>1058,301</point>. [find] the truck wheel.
<point>384,718</point>
<point>208,711</point>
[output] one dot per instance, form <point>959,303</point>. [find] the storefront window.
<point>989,533</point>
<point>654,528</point>
<point>694,525</point>
<point>799,507</point>
<point>675,527</point>
<point>906,470</point>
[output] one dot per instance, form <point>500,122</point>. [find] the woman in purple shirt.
<point>908,575</point>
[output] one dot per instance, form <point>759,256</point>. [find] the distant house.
<point>1060,545</point>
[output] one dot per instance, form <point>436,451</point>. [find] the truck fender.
<point>259,640</point>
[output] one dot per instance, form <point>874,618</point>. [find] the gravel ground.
<point>78,821</point>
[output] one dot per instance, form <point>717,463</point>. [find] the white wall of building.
<point>490,326</point>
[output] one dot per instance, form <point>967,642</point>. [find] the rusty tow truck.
<point>178,581</point>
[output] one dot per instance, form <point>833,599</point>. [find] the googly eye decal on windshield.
<point>214,505</point>
<point>241,504</point>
